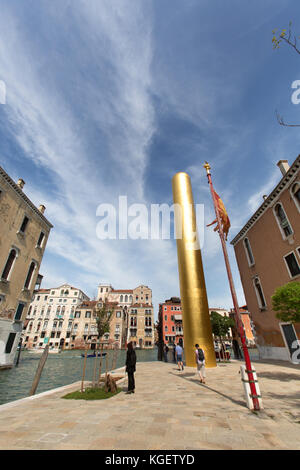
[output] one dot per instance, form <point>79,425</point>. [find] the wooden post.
<point>95,367</point>
<point>39,371</point>
<point>100,366</point>
<point>19,352</point>
<point>84,365</point>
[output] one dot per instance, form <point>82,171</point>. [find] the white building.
<point>50,317</point>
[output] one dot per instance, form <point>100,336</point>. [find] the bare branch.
<point>282,123</point>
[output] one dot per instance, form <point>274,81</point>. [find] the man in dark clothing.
<point>130,367</point>
<point>166,350</point>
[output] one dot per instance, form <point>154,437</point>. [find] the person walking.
<point>130,367</point>
<point>200,361</point>
<point>179,352</point>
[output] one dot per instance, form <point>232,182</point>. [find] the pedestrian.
<point>200,361</point>
<point>130,367</point>
<point>166,350</point>
<point>179,352</point>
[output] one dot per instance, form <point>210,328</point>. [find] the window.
<point>295,192</point>
<point>87,314</point>
<point>282,220</point>
<point>24,224</point>
<point>10,342</point>
<point>29,275</point>
<point>118,314</point>
<point>121,298</point>
<point>9,264</point>
<point>259,293</point>
<point>77,314</point>
<point>249,252</point>
<point>19,311</point>
<point>292,264</point>
<point>41,239</point>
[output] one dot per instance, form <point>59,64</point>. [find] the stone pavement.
<point>170,410</point>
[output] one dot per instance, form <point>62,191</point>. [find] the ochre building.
<point>24,231</point>
<point>267,250</point>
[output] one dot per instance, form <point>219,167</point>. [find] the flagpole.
<point>238,319</point>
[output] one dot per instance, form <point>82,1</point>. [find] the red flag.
<point>223,216</point>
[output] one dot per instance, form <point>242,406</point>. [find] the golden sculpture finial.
<point>207,167</point>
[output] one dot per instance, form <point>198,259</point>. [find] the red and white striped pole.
<point>238,319</point>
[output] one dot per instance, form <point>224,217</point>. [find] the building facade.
<point>52,318</point>
<point>170,321</point>
<point>65,318</point>
<point>267,251</point>
<point>24,231</point>
<point>137,307</point>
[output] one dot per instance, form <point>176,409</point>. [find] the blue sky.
<point>113,97</point>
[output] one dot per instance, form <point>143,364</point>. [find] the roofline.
<point>11,182</point>
<point>267,202</point>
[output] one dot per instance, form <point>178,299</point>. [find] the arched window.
<point>249,252</point>
<point>126,298</point>
<point>282,220</point>
<point>9,264</point>
<point>29,275</point>
<point>295,191</point>
<point>130,298</point>
<point>259,293</point>
<point>121,298</point>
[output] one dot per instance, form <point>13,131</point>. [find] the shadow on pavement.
<point>237,402</point>
<point>282,376</point>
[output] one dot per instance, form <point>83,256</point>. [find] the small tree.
<point>102,316</point>
<point>220,326</point>
<point>286,302</point>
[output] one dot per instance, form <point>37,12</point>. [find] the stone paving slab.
<point>170,410</point>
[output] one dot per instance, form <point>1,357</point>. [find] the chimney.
<point>284,166</point>
<point>42,208</point>
<point>21,183</point>
<point>265,197</point>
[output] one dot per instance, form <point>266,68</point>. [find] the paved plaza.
<point>170,410</point>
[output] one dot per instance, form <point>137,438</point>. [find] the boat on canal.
<point>94,355</point>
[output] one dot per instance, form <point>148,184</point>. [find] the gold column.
<point>195,313</point>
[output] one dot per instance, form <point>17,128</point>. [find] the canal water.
<point>60,369</point>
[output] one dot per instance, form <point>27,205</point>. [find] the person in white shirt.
<point>200,361</point>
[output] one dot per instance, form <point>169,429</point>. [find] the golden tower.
<point>195,313</point>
